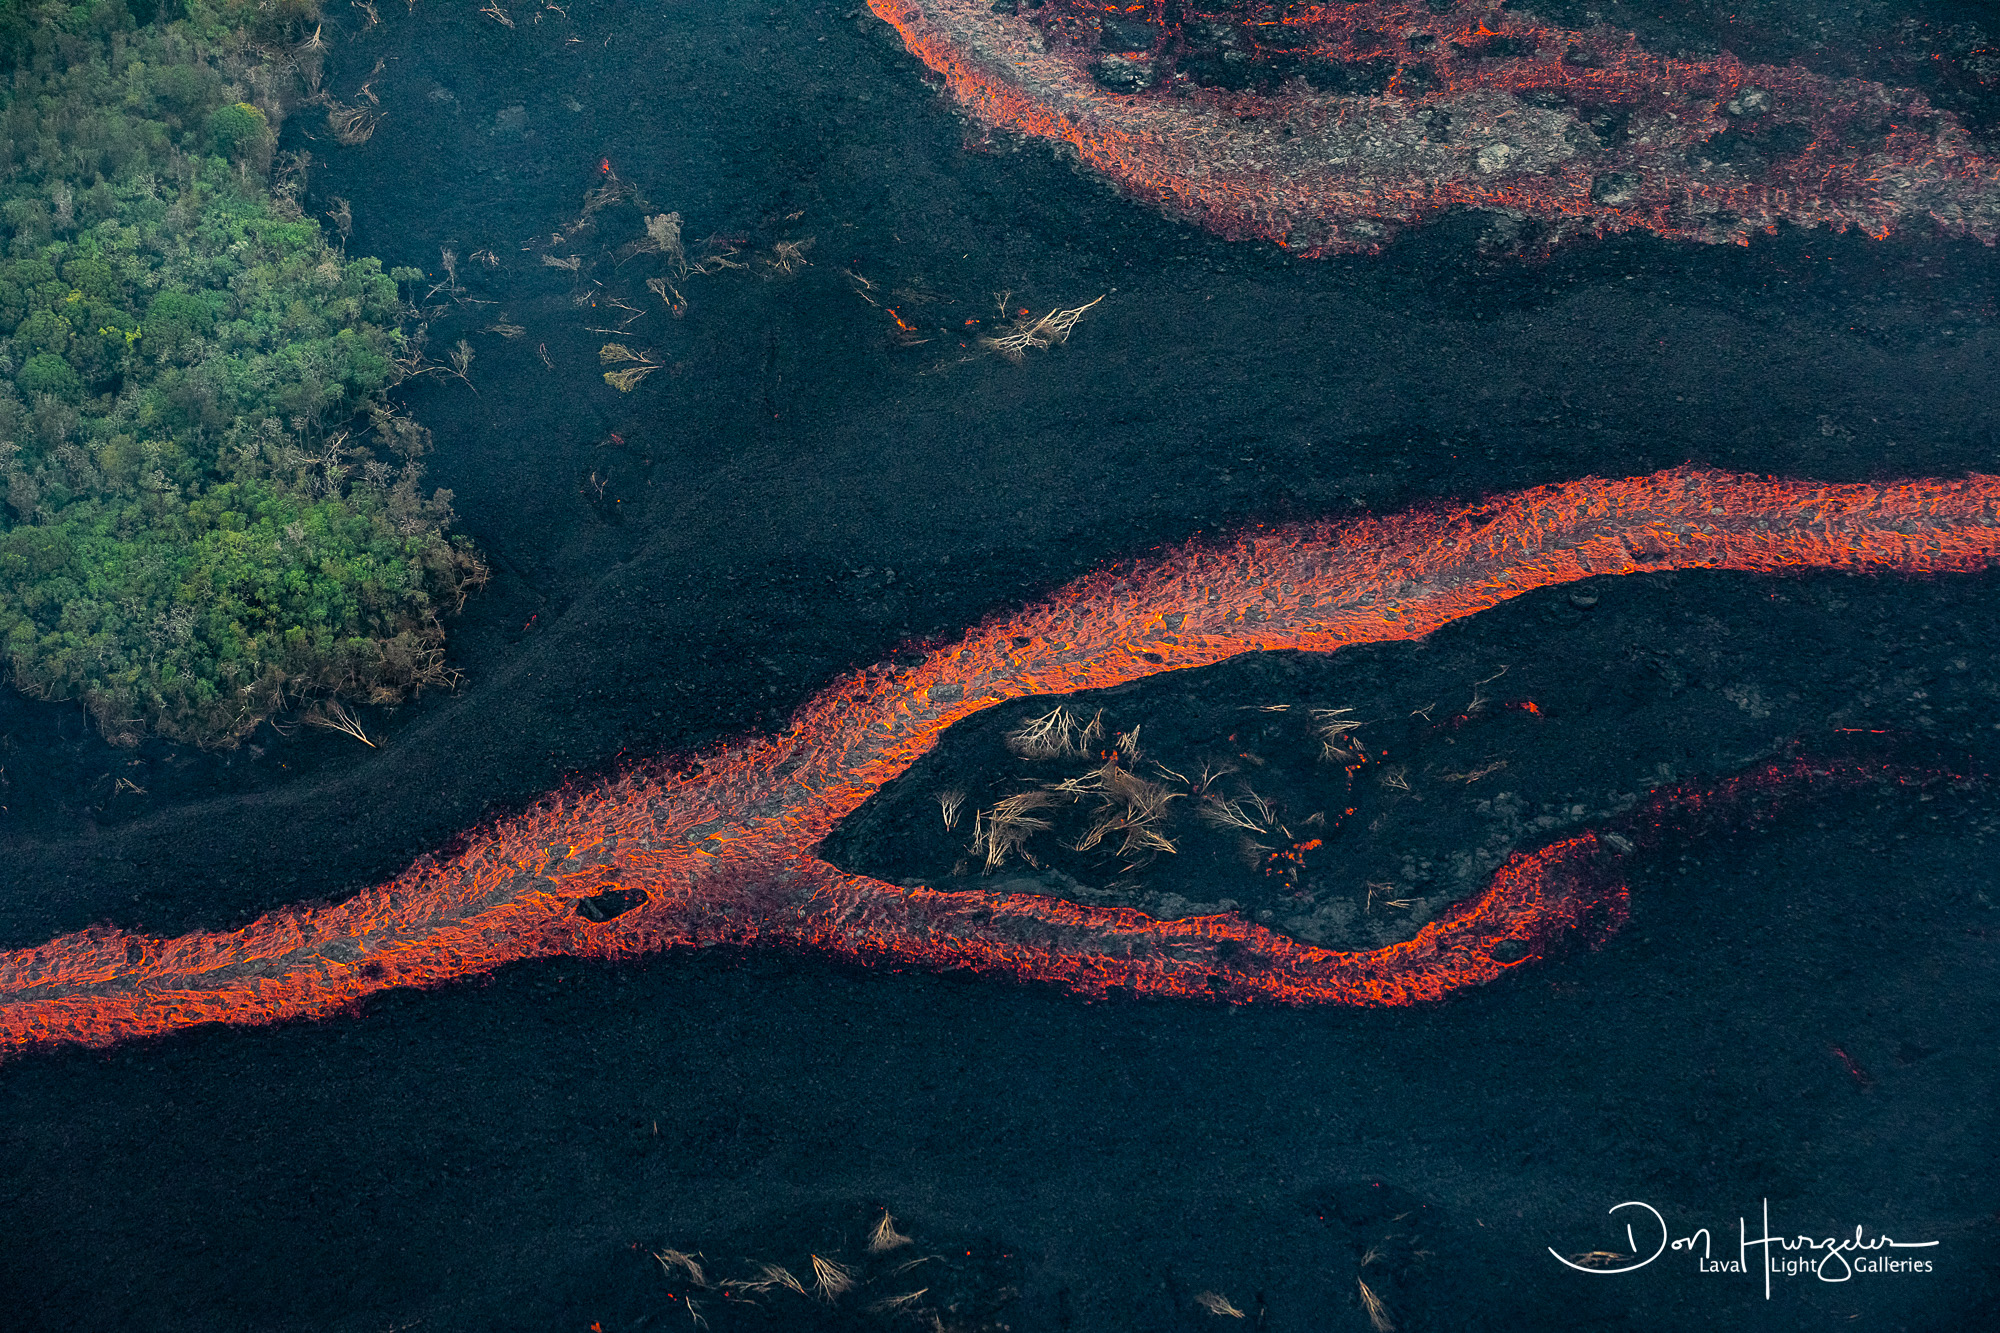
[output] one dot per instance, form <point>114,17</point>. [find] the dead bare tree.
<point>331,715</point>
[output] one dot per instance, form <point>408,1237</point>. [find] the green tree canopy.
<point>210,508</point>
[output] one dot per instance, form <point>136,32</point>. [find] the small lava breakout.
<point>721,848</point>
<point>1328,128</point>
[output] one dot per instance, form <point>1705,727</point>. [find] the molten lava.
<point>1328,127</point>
<point>721,850</point>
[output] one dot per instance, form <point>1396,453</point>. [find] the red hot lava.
<point>721,850</point>
<point>1326,128</point>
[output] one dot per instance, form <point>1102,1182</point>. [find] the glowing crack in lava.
<point>721,849</point>
<point>1328,127</point>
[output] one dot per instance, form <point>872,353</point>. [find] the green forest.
<point>211,512</point>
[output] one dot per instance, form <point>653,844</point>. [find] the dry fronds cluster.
<point>1121,804</point>
<point>663,238</point>
<point>1126,804</point>
<point>351,125</point>
<point>662,235</point>
<point>1123,801</point>
<point>1335,729</point>
<point>639,365</point>
<point>1056,734</point>
<point>927,1291</point>
<point>1004,830</point>
<point>1028,334</point>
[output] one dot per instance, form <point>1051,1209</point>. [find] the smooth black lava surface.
<point>1803,1012</point>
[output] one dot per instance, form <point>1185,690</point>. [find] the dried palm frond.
<point>1055,734</point>
<point>1216,1303</point>
<point>1145,839</point>
<point>885,1236</point>
<point>830,1280</point>
<point>1006,828</point>
<point>1378,1314</point>
<point>627,380</point>
<point>675,1261</point>
<point>789,256</point>
<point>1129,804</point>
<point>1248,811</point>
<point>769,1277</point>
<point>1210,775</point>
<point>891,1304</point>
<point>718,257</point>
<point>1107,823</point>
<point>670,295</point>
<point>1251,852</point>
<point>1145,802</point>
<point>1331,725</point>
<point>1484,770</point>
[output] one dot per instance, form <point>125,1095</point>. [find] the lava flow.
<point>720,849</point>
<point>1328,127</point>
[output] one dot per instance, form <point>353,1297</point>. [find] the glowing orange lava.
<point>722,849</point>
<point>1328,127</point>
